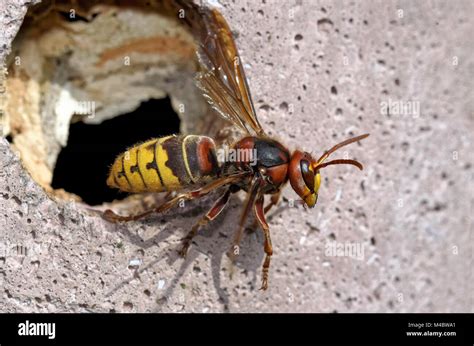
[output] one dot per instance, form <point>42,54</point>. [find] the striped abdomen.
<point>165,164</point>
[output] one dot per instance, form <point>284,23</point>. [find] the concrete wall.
<point>319,72</point>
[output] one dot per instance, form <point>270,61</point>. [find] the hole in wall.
<point>128,59</point>
<point>83,165</point>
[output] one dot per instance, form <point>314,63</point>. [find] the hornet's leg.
<point>109,215</point>
<point>260,216</point>
<point>216,209</point>
<point>274,199</point>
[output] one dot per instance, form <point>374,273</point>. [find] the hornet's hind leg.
<point>109,215</point>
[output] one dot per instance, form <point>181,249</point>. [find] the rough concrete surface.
<point>319,72</point>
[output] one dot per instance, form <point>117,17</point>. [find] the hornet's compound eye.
<point>308,174</point>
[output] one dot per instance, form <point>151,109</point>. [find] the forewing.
<point>221,76</point>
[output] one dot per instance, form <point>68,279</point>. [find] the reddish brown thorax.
<point>265,156</point>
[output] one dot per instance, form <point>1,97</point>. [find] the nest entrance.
<point>131,63</point>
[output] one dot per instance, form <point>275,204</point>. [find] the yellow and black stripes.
<point>165,164</point>
<point>136,168</point>
<point>151,148</point>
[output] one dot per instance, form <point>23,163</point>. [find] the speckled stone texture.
<point>319,72</point>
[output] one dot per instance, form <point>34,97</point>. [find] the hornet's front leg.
<point>260,216</point>
<point>274,199</point>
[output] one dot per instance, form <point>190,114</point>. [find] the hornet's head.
<point>304,174</point>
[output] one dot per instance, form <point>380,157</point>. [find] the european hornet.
<point>188,164</point>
